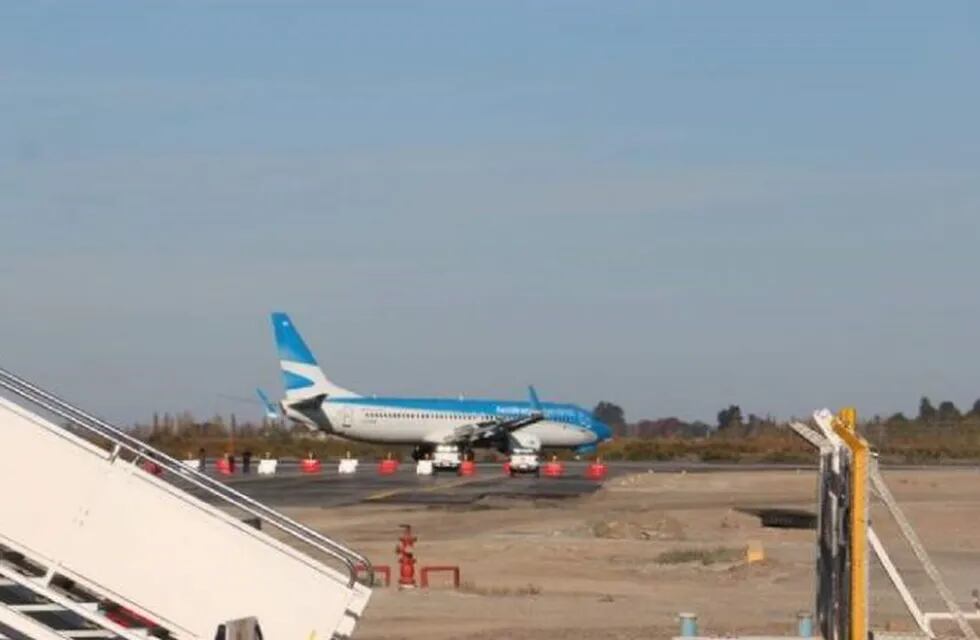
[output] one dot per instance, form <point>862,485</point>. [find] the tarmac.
<point>292,488</point>
<point>289,487</point>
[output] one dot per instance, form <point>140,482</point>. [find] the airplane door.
<point>345,420</point>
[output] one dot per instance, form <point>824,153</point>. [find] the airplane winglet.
<point>535,403</point>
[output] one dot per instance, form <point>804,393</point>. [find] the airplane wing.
<point>491,429</point>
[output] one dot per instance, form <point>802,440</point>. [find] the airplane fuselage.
<point>415,420</point>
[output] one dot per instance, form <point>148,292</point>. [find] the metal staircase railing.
<point>122,441</point>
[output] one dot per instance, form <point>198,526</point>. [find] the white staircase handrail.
<point>352,560</point>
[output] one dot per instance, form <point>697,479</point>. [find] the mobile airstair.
<point>93,546</point>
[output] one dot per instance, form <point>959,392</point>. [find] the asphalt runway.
<point>291,488</point>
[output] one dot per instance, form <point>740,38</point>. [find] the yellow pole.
<point>846,427</point>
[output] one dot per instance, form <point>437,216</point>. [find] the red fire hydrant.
<point>406,559</point>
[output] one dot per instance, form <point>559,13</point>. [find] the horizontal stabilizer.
<point>271,410</point>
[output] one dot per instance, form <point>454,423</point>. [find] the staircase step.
<point>26,626</point>
<point>37,608</point>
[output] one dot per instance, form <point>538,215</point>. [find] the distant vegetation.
<point>936,434</point>
<point>940,433</point>
<point>183,436</point>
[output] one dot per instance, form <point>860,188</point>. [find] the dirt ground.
<point>623,562</point>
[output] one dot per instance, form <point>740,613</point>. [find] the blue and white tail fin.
<point>301,375</point>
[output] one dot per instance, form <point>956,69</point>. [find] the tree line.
<point>732,418</point>
<point>938,432</point>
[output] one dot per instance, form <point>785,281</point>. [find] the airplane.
<point>312,400</point>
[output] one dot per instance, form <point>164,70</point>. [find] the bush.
<point>702,556</point>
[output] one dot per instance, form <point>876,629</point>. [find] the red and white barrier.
<point>310,465</point>
<point>388,467</point>
<point>267,467</point>
<point>467,468</point>
<point>553,469</point>
<point>597,470</point>
<point>347,466</point>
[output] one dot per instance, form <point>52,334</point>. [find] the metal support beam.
<point>896,578</point>
<point>808,434</point>
<point>921,554</point>
<point>932,617</point>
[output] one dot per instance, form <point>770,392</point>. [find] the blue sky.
<point>670,205</point>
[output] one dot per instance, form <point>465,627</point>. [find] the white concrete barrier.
<point>193,464</point>
<point>347,466</point>
<point>267,467</point>
<point>423,468</point>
